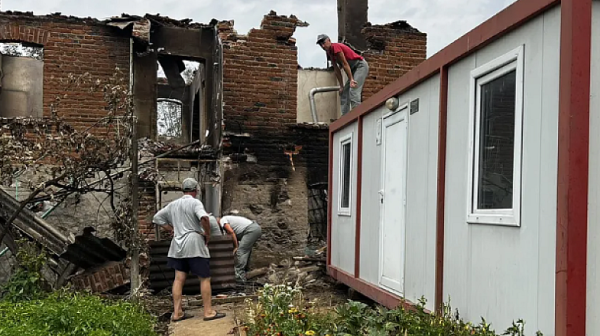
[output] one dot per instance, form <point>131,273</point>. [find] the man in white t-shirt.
<point>189,252</point>
<point>244,233</point>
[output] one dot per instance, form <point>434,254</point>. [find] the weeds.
<point>27,283</point>
<point>281,311</point>
<point>28,308</point>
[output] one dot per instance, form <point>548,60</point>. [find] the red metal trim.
<point>510,18</point>
<point>329,198</point>
<point>441,190</point>
<point>573,170</point>
<point>358,197</point>
<point>371,291</point>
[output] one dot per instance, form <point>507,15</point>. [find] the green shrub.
<point>27,283</point>
<point>71,314</point>
<point>280,311</point>
<point>355,318</point>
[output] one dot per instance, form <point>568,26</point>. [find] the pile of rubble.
<point>307,272</point>
<point>149,149</point>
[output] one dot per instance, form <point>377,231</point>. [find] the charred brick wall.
<point>272,163</point>
<point>260,80</point>
<point>393,50</point>
<point>259,84</point>
<point>72,47</point>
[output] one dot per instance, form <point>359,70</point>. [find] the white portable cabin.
<point>475,177</point>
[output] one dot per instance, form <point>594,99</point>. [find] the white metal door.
<point>393,201</point>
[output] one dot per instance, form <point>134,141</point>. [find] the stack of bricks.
<point>107,277</point>
<point>72,47</point>
<point>260,82</point>
<point>393,50</point>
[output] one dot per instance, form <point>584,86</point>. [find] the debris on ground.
<point>303,271</point>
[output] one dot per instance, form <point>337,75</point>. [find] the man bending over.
<point>355,66</point>
<point>244,233</point>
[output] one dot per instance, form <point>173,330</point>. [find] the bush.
<point>70,314</point>
<point>281,311</point>
<point>27,283</point>
<point>28,308</point>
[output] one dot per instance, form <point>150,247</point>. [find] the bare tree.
<point>55,160</point>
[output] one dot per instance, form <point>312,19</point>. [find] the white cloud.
<point>443,20</point>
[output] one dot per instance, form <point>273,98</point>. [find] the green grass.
<point>73,314</point>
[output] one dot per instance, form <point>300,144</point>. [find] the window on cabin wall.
<point>496,136</point>
<point>345,176</point>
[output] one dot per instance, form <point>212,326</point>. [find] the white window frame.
<point>344,140</point>
<point>479,77</point>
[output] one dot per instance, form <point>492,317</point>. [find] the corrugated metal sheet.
<point>32,226</point>
<point>86,251</point>
<point>90,251</point>
<point>221,267</point>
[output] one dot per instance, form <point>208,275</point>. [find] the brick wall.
<point>147,209</point>
<point>260,105</point>
<point>260,82</point>
<point>109,276</point>
<point>393,50</point>
<point>71,46</point>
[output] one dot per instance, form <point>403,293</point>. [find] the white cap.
<point>189,184</point>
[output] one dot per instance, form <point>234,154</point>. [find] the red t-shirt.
<point>348,53</point>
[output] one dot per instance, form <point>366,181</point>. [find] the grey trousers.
<point>246,242</point>
<point>352,97</point>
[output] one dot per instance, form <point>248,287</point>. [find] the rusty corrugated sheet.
<point>221,267</point>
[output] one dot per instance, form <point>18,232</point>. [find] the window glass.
<point>496,143</point>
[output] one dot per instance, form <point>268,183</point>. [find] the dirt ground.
<point>197,326</point>
<point>329,295</point>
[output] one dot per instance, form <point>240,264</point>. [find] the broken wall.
<point>393,50</point>
<point>276,166</point>
<point>260,85</point>
<point>72,46</point>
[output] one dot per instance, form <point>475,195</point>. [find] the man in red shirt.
<point>355,66</point>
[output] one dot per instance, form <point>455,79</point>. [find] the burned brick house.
<point>129,46</point>
<point>257,150</point>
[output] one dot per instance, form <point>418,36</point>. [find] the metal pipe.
<point>311,97</point>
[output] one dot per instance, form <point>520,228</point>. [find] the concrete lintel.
<point>192,43</point>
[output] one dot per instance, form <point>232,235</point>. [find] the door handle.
<point>380,192</point>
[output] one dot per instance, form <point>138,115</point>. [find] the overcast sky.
<point>442,20</point>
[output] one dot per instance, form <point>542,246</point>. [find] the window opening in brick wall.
<point>21,80</point>
<point>169,118</point>
<point>345,175</point>
<point>496,136</point>
<point>180,89</point>
<point>317,211</point>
